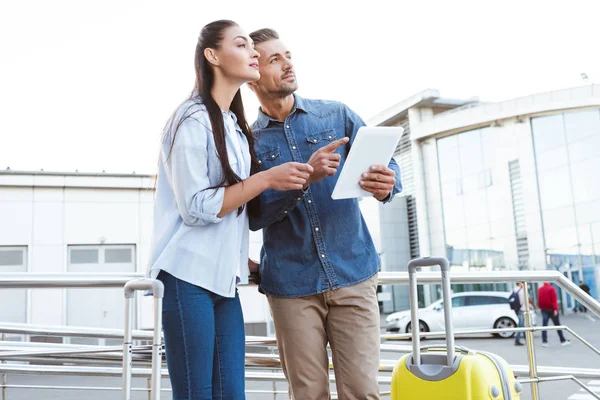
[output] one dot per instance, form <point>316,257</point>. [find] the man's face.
<point>277,77</point>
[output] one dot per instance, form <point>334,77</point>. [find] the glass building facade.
<point>484,211</point>
<point>567,153</point>
<point>476,200</point>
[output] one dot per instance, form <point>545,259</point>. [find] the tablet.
<point>373,145</point>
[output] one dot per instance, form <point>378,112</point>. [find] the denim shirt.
<point>311,243</point>
<point>189,240</point>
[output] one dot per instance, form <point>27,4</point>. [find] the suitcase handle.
<point>414,304</point>
<point>459,349</point>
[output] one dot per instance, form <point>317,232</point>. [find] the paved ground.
<point>575,355</point>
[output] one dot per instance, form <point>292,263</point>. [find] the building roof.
<point>99,180</point>
<point>427,98</point>
<point>462,115</point>
<point>8,171</point>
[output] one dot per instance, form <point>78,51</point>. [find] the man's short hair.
<point>263,35</point>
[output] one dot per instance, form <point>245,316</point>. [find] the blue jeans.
<point>521,324</point>
<point>204,342</point>
<point>546,316</point>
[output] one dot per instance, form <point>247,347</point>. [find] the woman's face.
<point>236,57</point>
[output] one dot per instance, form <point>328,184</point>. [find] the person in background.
<point>548,303</point>
<point>518,290</point>
<point>586,289</point>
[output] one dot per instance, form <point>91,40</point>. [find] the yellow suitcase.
<point>450,372</point>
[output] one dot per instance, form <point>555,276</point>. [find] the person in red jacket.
<point>547,302</point>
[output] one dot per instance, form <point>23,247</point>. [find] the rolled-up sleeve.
<point>197,202</point>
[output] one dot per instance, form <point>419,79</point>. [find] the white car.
<point>470,310</point>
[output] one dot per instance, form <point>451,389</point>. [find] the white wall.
<point>88,211</point>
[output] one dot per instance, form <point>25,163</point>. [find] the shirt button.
<point>317,229</point>
<point>293,147</point>
<point>285,212</point>
<point>287,126</point>
<point>310,201</point>
<point>299,198</point>
<point>314,140</point>
<point>329,137</point>
<point>260,162</point>
<point>322,255</point>
<point>273,156</point>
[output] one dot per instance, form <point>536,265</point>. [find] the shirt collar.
<point>230,114</point>
<point>262,121</point>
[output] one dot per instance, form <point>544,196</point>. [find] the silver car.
<point>470,310</point>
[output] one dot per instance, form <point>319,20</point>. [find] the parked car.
<point>470,310</point>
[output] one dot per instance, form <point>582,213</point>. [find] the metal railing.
<point>104,360</point>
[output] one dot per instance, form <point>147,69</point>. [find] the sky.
<point>88,85</point>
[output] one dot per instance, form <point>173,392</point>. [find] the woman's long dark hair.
<point>211,37</point>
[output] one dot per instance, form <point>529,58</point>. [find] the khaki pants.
<point>347,318</point>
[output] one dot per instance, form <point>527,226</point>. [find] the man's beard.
<point>284,90</point>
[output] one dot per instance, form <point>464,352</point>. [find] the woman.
<point>208,172</point>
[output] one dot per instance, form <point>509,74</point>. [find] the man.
<point>520,293</point>
<point>586,289</point>
<point>318,263</point>
<point>548,303</point>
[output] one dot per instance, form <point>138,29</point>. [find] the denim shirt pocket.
<point>321,139</point>
<point>269,158</point>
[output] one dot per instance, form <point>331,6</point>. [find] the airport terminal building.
<point>491,186</point>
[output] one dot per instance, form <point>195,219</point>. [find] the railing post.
<point>149,386</point>
<point>3,375</point>
<point>157,289</point>
<point>535,389</point>
<point>127,348</point>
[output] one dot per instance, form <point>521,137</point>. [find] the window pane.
<point>584,176</point>
<point>12,257</point>
<point>589,234</point>
<point>588,213</point>
<point>557,218</point>
<point>471,183</point>
<point>583,124</point>
<point>448,158</point>
<point>458,301</point>
<point>499,146</point>
<point>585,149</point>
<point>491,142</point>
<point>84,341</point>
<point>552,159</point>
<point>471,157</point>
<point>499,199</point>
<point>476,208</point>
<point>454,213</point>
<point>562,241</point>
<point>591,254</point>
<point>84,256</point>
<point>548,133</point>
<point>457,239</point>
<point>484,300</point>
<point>117,255</point>
<point>555,188</point>
<point>479,236</point>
